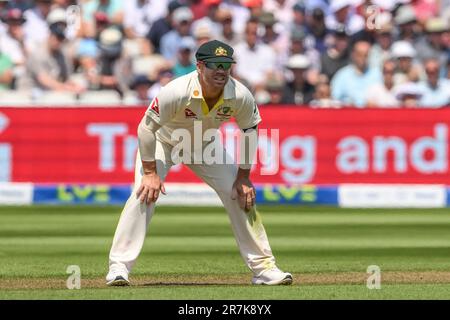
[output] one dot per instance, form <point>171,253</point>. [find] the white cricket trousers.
<point>248,230</point>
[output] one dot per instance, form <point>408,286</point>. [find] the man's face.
<point>251,34</point>
<point>215,78</point>
<point>297,46</point>
<point>435,38</point>
<point>404,64</point>
<point>227,24</point>
<point>384,40</point>
<point>185,56</point>
<point>44,6</point>
<point>299,74</point>
<point>299,17</point>
<point>184,27</point>
<point>15,28</point>
<point>361,55</point>
<point>341,43</point>
<point>432,71</point>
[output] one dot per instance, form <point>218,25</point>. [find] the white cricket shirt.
<point>180,103</point>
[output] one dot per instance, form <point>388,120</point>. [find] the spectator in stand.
<point>72,17</point>
<point>298,90</point>
<point>432,45</point>
<point>337,56</point>
<point>227,34</point>
<point>102,22</point>
<point>36,27</point>
<point>406,70</point>
<point>211,18</point>
<point>140,87</point>
<point>12,41</point>
<point>50,66</point>
<point>322,96</point>
<point>297,46</point>
<point>182,20</point>
<point>184,64</point>
<point>139,15</point>
<point>343,14</point>
<point>298,17</point>
<point>381,50</point>
<point>202,33</point>
<point>4,7</point>
<point>350,84</point>
<point>239,12</point>
<point>6,72</point>
<point>87,55</point>
<point>405,19</point>
<point>164,77</point>
<point>162,26</point>
<point>282,10</point>
<point>277,40</point>
<point>112,8</point>
<point>436,92</point>
<point>275,88</point>
<point>255,7</point>
<point>59,16</point>
<point>115,68</point>
<point>409,94</point>
<point>382,95</point>
<point>317,31</point>
<point>426,9</point>
<point>256,61</point>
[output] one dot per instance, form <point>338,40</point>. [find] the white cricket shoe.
<point>117,276</point>
<point>273,277</point>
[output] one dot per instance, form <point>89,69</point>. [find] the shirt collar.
<point>228,91</point>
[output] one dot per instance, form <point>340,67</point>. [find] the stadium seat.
<point>15,98</point>
<point>148,65</point>
<point>55,98</point>
<point>130,99</point>
<point>102,97</point>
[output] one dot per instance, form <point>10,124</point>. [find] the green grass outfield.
<point>190,253</point>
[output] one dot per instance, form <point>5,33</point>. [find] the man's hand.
<point>244,191</point>
<point>151,186</point>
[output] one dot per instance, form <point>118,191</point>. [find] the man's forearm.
<point>248,146</point>
<point>147,144</point>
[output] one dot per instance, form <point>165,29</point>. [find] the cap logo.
<point>221,52</point>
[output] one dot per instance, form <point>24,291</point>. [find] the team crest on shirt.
<point>223,113</point>
<point>189,114</point>
<point>221,52</point>
<point>154,106</point>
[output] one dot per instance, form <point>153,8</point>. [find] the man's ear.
<point>199,67</point>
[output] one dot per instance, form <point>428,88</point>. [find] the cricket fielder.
<point>211,96</point>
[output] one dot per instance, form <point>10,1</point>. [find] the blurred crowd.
<point>316,53</point>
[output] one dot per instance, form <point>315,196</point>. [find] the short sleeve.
<point>247,115</point>
<point>163,107</point>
